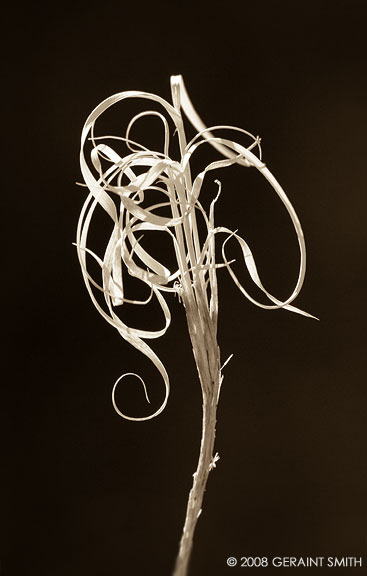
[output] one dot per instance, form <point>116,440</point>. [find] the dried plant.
<point>122,186</point>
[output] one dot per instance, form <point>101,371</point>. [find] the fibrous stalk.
<point>202,330</point>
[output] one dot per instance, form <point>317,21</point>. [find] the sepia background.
<point>85,492</point>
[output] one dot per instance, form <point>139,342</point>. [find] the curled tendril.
<point>144,171</point>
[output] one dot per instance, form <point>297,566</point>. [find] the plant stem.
<point>207,357</point>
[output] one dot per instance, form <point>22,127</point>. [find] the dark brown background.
<point>86,493</point>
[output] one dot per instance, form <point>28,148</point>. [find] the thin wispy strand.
<point>122,185</point>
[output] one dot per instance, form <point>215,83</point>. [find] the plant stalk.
<point>207,357</point>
